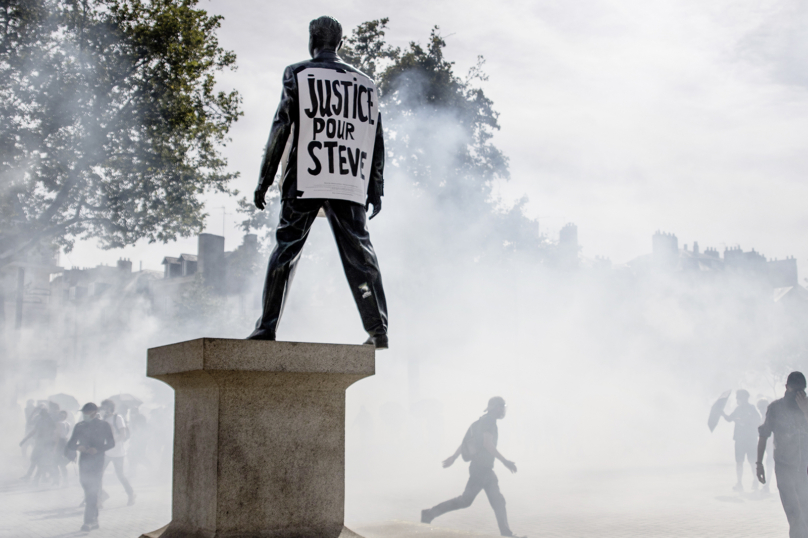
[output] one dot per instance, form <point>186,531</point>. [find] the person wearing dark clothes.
<point>762,406</point>
<point>481,445</point>
<point>31,412</point>
<point>91,438</point>
<point>787,419</point>
<point>747,420</point>
<point>43,457</point>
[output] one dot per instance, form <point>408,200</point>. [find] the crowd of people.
<point>102,437</point>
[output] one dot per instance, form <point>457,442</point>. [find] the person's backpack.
<point>470,445</point>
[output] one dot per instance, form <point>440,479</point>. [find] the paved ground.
<point>644,504</point>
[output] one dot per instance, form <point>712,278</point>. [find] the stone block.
<point>259,436</point>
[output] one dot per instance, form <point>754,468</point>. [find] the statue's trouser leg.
<point>349,224</point>
<point>297,216</point>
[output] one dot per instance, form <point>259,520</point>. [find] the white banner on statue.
<point>338,115</point>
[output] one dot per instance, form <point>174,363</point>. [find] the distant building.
<point>666,256</point>
<point>224,274</point>
<point>25,288</point>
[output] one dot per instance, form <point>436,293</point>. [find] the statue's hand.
<point>260,201</point>
<point>376,201</point>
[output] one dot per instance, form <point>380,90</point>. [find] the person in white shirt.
<point>63,433</point>
<point>116,455</point>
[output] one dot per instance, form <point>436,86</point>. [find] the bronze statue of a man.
<point>327,137</point>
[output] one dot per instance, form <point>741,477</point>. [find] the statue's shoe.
<point>378,340</point>
<point>261,335</point>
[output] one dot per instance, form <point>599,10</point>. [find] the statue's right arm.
<point>278,134</point>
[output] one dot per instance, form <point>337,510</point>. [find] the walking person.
<point>31,413</point>
<point>480,447</point>
<point>43,457</point>
<point>92,437</point>
<point>762,406</point>
<point>62,435</point>
<point>787,419</point>
<point>747,420</point>
<point>117,454</point>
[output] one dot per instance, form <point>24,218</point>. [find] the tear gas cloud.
<point>604,368</point>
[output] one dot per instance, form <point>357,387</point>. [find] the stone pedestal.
<point>259,436</point>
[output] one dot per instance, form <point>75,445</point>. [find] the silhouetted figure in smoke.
<point>53,411</point>
<point>62,435</point>
<point>480,447</point>
<point>138,441</point>
<point>31,413</point>
<point>117,454</point>
<point>747,420</point>
<point>763,406</point>
<point>787,419</point>
<point>327,137</point>
<point>92,437</point>
<point>43,457</point>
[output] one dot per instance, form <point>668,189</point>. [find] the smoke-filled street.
<point>418,268</point>
<point>663,503</point>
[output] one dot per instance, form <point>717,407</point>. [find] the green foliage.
<point>421,99</point>
<point>110,126</point>
<point>419,91</point>
<point>366,49</point>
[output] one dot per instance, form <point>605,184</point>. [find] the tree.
<point>110,127</point>
<point>438,126</point>
<point>419,89</point>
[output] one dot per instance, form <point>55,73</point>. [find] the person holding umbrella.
<point>747,420</point>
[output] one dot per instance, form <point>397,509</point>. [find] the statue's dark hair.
<point>325,32</point>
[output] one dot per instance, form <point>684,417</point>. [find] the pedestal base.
<point>346,533</point>
<point>259,436</point>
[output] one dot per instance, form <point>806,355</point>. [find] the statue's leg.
<point>349,223</point>
<point>297,216</point>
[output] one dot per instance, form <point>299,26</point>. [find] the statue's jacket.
<point>337,139</point>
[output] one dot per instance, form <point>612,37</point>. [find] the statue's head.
<point>325,33</point>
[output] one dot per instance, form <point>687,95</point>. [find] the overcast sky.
<point>622,116</point>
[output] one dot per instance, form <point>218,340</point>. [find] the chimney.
<point>568,247</point>
<point>665,248</point>
<point>125,265</point>
<point>210,255</point>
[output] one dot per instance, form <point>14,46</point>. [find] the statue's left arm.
<point>376,184</point>
<point>278,135</point>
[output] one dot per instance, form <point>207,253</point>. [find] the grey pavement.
<point>28,511</point>
<point>697,501</point>
<point>651,503</point>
